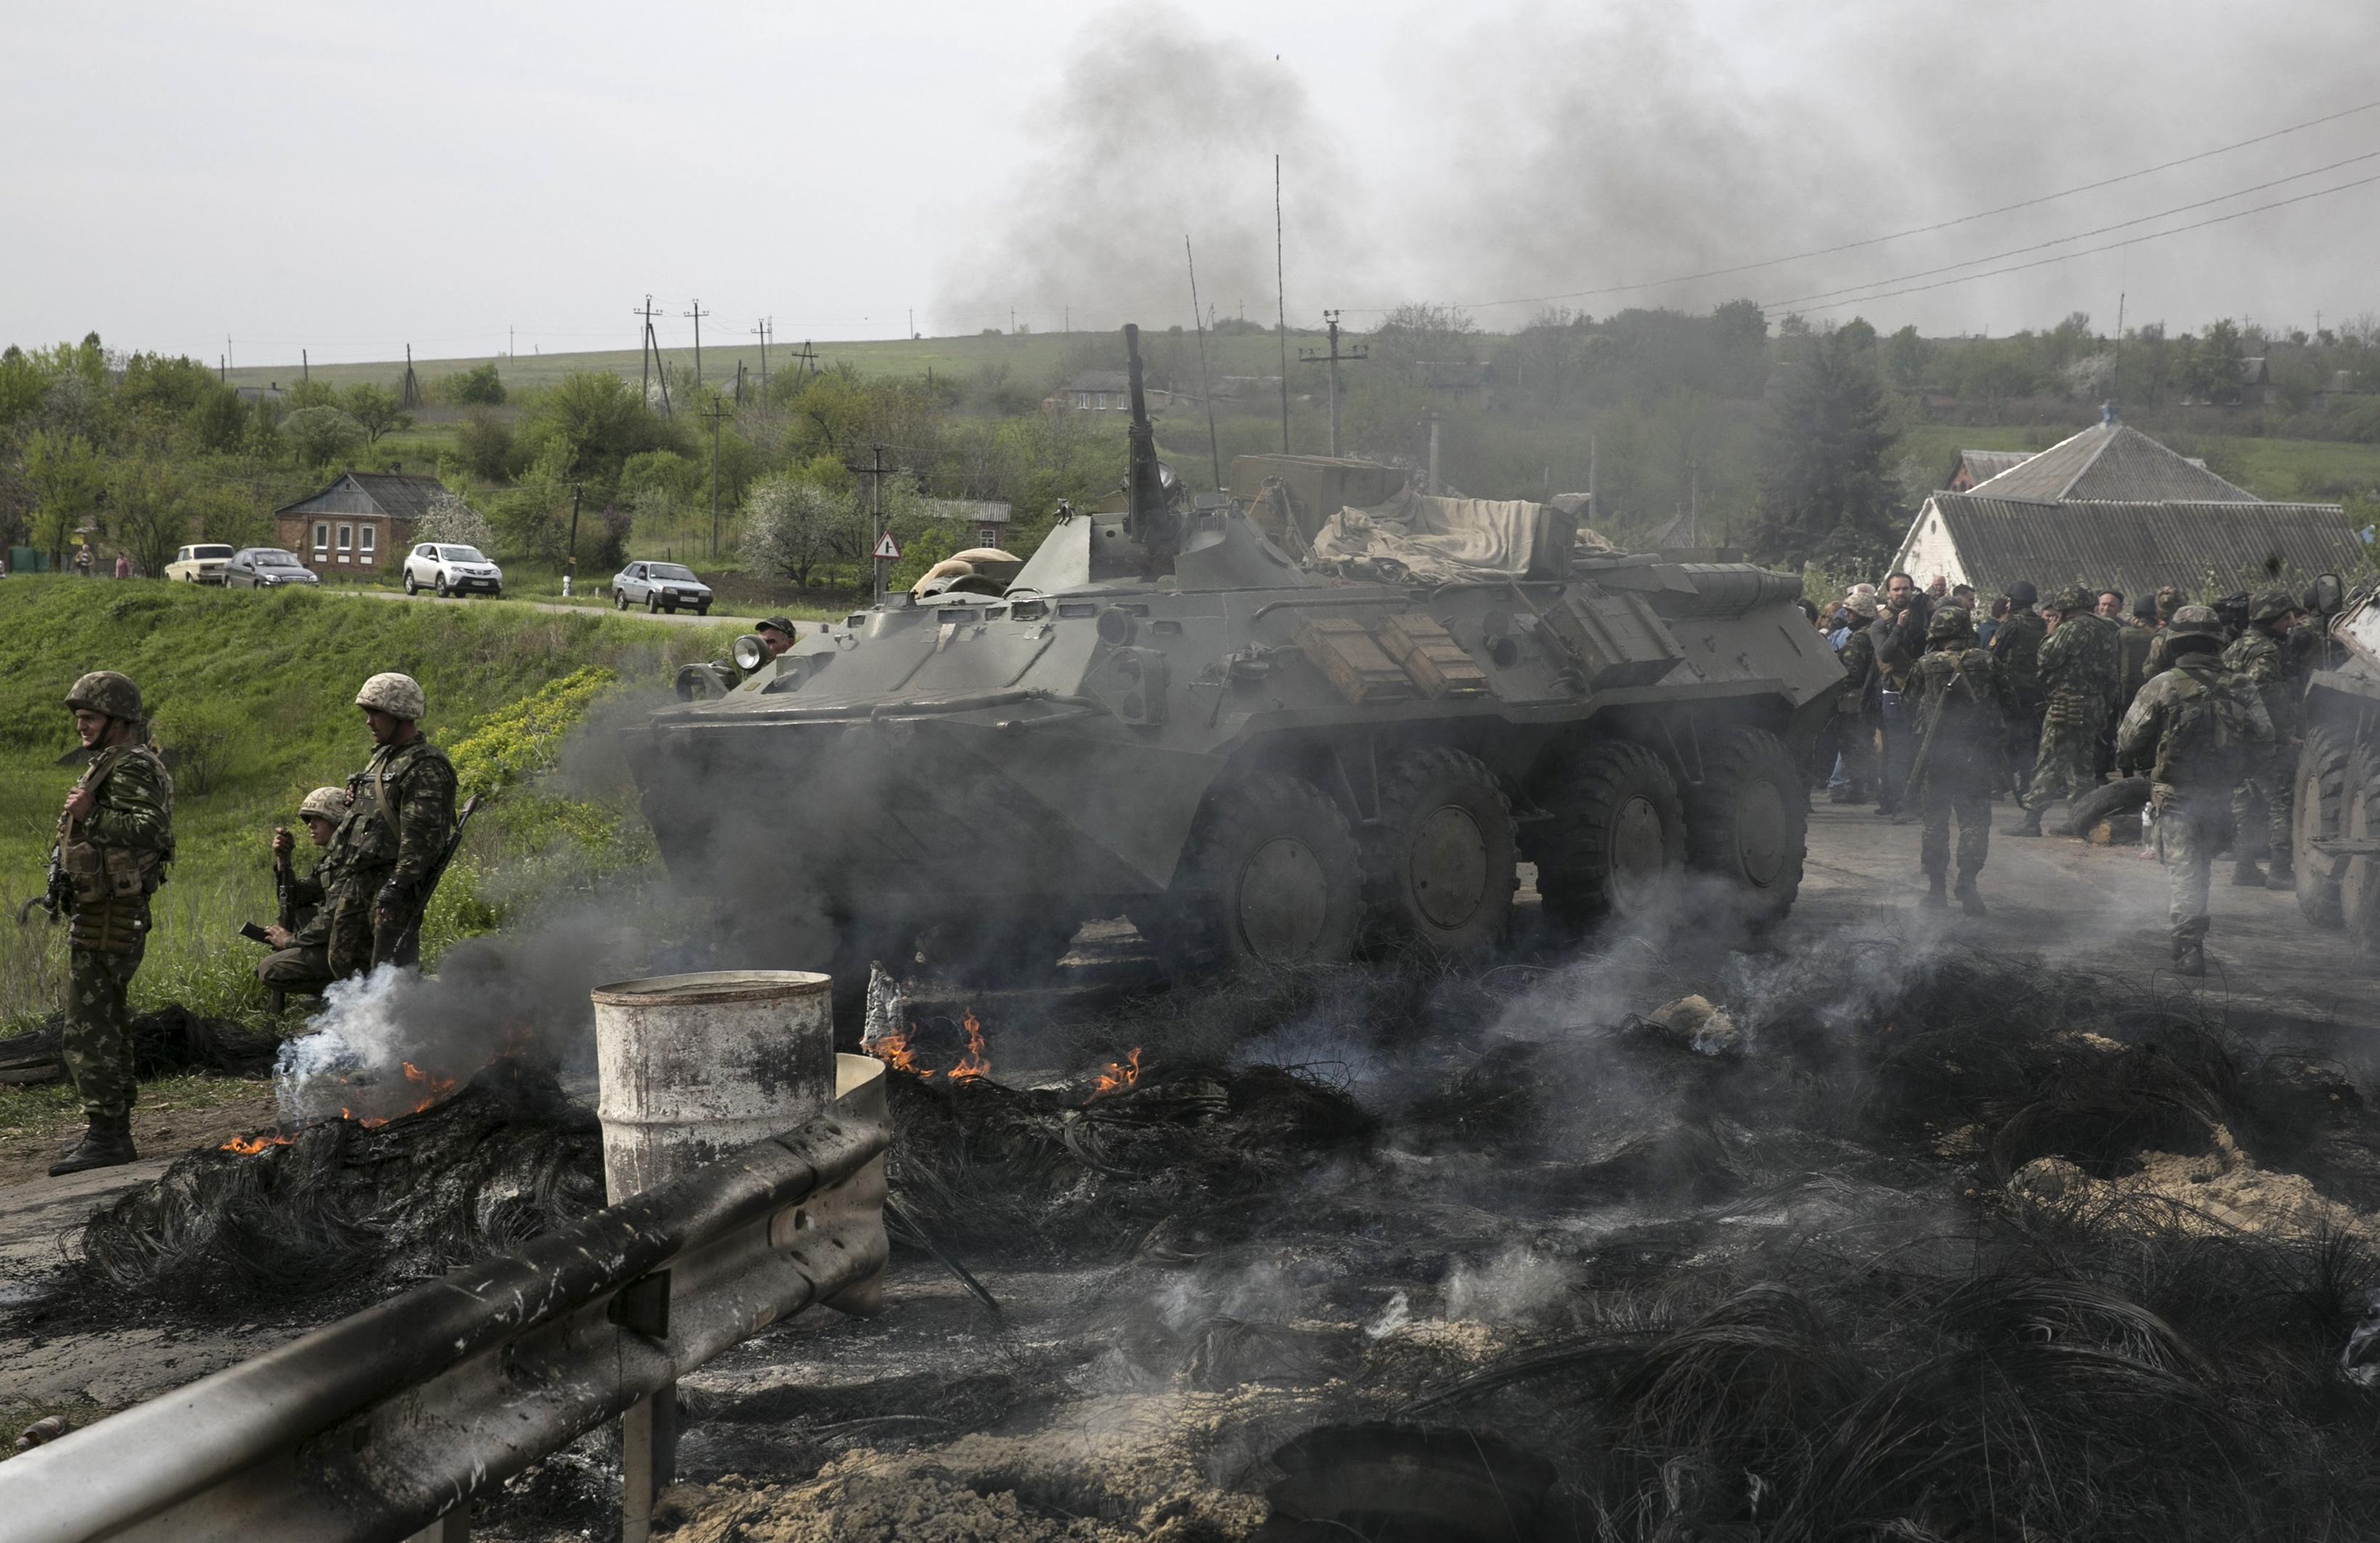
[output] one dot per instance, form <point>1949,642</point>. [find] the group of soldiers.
<point>2065,690</point>
<point>382,838</point>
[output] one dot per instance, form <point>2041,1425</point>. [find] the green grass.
<point>252,696</point>
<point>48,1106</point>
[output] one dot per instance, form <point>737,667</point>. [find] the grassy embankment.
<point>251,697</point>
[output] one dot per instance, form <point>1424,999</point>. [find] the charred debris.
<point>1954,1246</point>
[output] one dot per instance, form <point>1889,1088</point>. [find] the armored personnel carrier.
<point>1263,729</point>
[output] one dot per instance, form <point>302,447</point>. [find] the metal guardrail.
<point>376,1427</point>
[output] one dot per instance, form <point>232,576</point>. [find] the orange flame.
<point>975,1063</point>
<point>436,1087</point>
<point>893,1048</point>
<point>1119,1075</point>
<point>250,1146</point>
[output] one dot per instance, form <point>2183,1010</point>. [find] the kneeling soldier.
<point>300,962</point>
<point>115,839</point>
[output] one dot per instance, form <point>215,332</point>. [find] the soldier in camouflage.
<point>2259,654</point>
<point>400,815</point>
<point>300,962</point>
<point>114,838</point>
<point>2191,729</point>
<point>1858,705</point>
<point>2016,648</point>
<point>2080,674</point>
<point>1963,708</point>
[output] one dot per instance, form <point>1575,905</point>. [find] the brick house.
<point>359,527</point>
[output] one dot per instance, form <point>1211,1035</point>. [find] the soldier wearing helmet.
<point>114,838</point>
<point>2191,730</point>
<point>1963,706</point>
<point>2016,648</point>
<point>299,963</point>
<point>2259,654</point>
<point>2081,674</point>
<point>400,813</point>
<point>1859,703</point>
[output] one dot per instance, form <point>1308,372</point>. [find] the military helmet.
<point>2022,593</point>
<point>1861,605</point>
<point>2270,605</point>
<point>105,691</point>
<point>2169,602</point>
<point>779,623</point>
<point>2078,598</point>
<point>1950,624</point>
<point>2196,618</point>
<point>398,695</point>
<point>324,803</point>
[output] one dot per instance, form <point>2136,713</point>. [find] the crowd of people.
<point>2038,700</point>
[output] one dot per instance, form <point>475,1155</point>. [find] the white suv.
<point>451,570</point>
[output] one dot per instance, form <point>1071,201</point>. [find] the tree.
<point>486,441</point>
<point>448,519</point>
<point>478,386</point>
<point>2216,365</point>
<point>1826,497</point>
<point>795,527</point>
<point>595,422</point>
<point>1908,356</point>
<point>66,480</point>
<point>323,435</point>
<point>149,497</point>
<point>216,420</point>
<point>376,411</point>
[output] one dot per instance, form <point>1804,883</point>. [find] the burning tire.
<point>1444,863</point>
<point>2359,880</point>
<point>1749,821</point>
<point>2315,813</point>
<point>1617,841</point>
<point>1271,875</point>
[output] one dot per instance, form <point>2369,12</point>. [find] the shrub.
<point>450,519</point>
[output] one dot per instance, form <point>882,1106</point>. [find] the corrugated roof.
<point>2135,547</point>
<point>2110,462</point>
<point>1980,465</point>
<point>398,497</point>
<point>1100,380</point>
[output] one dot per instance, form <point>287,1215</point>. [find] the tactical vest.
<point>2206,735</point>
<point>112,885</point>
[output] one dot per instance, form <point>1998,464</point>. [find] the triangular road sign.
<point>887,550</point>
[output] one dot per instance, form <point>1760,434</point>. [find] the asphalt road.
<point>675,618</point>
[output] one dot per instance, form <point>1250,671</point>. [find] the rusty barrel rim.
<point>705,987</point>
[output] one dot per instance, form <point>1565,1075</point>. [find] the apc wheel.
<point>2359,880</point>
<point>2314,811</point>
<point>1271,875</point>
<point>411,587</point>
<point>1749,821</point>
<point>1443,865</point>
<point>1617,842</point>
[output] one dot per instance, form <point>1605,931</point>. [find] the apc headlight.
<point>749,653</point>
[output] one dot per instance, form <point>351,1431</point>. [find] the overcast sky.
<point>350,178</point>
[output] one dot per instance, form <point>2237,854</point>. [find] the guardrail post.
<point>692,1066</point>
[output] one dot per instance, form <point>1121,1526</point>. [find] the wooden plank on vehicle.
<point>1431,655</point>
<point>1344,649</point>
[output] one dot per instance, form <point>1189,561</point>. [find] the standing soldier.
<point>300,962</point>
<point>400,815</point>
<point>2191,729</point>
<point>114,839</point>
<point>2259,655</point>
<point>2016,648</point>
<point>1962,706</point>
<point>2079,678</point>
<point>1858,704</point>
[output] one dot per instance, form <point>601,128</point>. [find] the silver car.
<point>266,568</point>
<point>661,587</point>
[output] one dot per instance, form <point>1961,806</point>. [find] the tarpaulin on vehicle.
<point>1441,540</point>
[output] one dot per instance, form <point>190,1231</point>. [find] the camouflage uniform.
<point>2192,728</point>
<point>2268,774</point>
<point>1962,698</point>
<point>1857,707</point>
<point>115,858</point>
<point>392,838</point>
<point>303,967</point>
<point>2079,676</point>
<point>2016,648</point>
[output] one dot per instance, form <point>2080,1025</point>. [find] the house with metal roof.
<point>2112,509</point>
<point>359,527</point>
<point>1103,391</point>
<point>1974,466</point>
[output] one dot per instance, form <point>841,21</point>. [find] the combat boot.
<point>2029,826</point>
<point>2246,875</point>
<point>1934,899</point>
<point>2281,876</point>
<point>2188,958</point>
<point>1969,900</point>
<point>107,1143</point>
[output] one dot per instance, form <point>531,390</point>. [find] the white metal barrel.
<point>695,1065</point>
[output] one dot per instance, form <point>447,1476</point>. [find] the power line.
<point>1913,230</point>
<point>2086,235</point>
<point>2112,246</point>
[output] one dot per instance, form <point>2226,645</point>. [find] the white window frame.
<point>365,550</point>
<point>321,540</point>
<point>346,547</point>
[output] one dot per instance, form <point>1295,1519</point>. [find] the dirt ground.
<point>1071,1418</point>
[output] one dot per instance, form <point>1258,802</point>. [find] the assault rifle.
<point>58,889</point>
<point>1933,722</point>
<point>407,938</point>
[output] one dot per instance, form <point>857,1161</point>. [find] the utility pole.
<point>1435,485</point>
<point>228,350</point>
<point>306,365</point>
<point>1206,386</point>
<point>761,327</point>
<point>650,358</point>
<point>809,358</point>
<point>739,383</point>
<point>570,565</point>
<point>874,469</point>
<point>1352,354</point>
<point>409,394</point>
<point>697,313</point>
<point>1281,303</point>
<point>512,344</point>
<point>912,323</point>
<point>2116,370</point>
<point>716,411</point>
